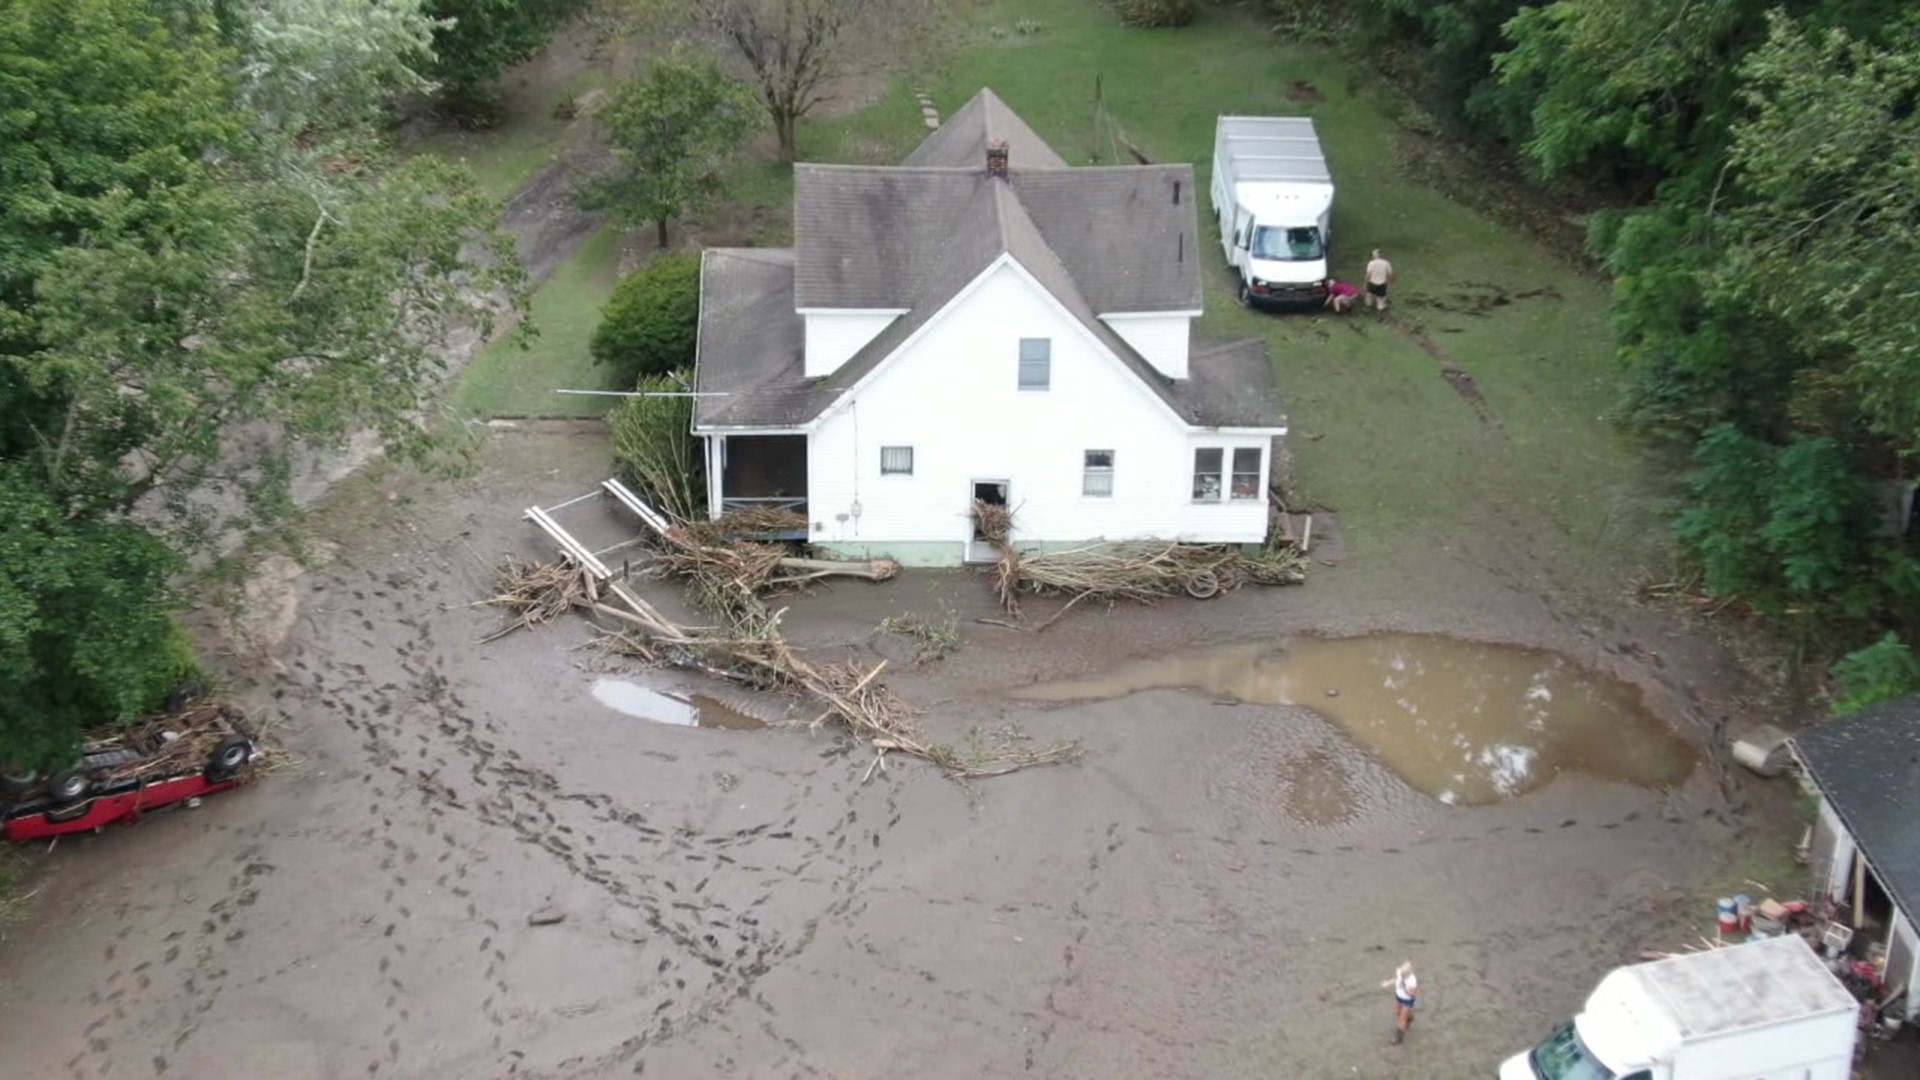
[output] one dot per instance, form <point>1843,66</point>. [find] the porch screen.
<point>1096,476</point>
<point>896,461</point>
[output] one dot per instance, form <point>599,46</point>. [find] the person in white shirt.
<point>1379,276</point>
<point>1406,994</point>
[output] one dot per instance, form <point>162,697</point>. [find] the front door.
<point>992,493</point>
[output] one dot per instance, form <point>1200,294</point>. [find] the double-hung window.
<point>1208,462</point>
<point>1212,479</point>
<point>1036,363</point>
<point>1246,473</point>
<point>1096,474</point>
<point>896,461</point>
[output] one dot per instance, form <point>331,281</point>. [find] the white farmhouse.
<point>982,322</point>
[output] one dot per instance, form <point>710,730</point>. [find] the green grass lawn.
<point>508,380</point>
<point>528,136</point>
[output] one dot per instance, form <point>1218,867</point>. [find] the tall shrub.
<point>654,444</point>
<point>650,322</point>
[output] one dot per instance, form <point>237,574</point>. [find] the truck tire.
<point>70,786</point>
<point>228,758</point>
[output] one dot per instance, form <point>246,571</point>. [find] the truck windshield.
<point>1295,244</point>
<point>1564,1057</point>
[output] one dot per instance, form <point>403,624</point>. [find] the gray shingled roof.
<point>961,142</point>
<point>1868,766</point>
<point>1101,240</point>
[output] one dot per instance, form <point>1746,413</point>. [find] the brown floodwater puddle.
<point>1463,721</point>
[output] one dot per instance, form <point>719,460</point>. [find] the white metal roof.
<point>1272,148</point>
<point>1742,986</point>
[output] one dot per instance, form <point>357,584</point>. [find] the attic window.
<point>1036,363</point>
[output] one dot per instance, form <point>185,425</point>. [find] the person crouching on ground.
<point>1340,296</point>
<point>1379,276</point>
<point>1406,994</point>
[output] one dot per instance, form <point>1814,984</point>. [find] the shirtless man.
<point>1379,276</point>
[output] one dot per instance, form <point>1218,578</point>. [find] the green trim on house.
<point>906,553</point>
<point>941,553</point>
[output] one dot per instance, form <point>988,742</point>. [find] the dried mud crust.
<point>1216,890</point>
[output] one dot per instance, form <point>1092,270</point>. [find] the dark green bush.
<point>649,324</point>
<point>1149,14</point>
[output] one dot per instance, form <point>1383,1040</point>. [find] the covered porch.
<point>758,471</point>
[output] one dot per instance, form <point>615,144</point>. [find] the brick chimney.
<point>997,158</point>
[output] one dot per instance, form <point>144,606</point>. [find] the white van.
<point>1766,1010</point>
<point>1273,197</point>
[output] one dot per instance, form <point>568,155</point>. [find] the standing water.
<point>695,710</point>
<point>1463,721</point>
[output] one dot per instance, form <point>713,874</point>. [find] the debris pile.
<point>1141,571</point>
<point>180,741</point>
<point>731,578</point>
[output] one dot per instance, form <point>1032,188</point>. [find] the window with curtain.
<point>896,461</point>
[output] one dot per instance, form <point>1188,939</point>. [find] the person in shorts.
<point>1406,994</point>
<point>1379,276</point>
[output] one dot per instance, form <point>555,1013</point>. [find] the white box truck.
<point>1766,1010</point>
<point>1273,197</point>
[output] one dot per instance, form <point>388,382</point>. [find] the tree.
<point>332,64</point>
<point>475,40</point>
<point>1823,231</point>
<point>201,268</point>
<point>649,325</point>
<point>1882,671</point>
<point>671,131</point>
<point>86,624</point>
<point>790,49</point>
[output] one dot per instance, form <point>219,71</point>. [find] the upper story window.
<point>1036,363</point>
<point>1096,474</point>
<point>896,461</point>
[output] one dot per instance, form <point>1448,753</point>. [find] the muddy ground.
<point>1214,890</point>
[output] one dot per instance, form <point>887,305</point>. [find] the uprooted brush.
<point>1141,572</point>
<point>731,579</point>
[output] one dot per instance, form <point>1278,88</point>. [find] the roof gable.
<point>961,142</point>
<point>1868,767</point>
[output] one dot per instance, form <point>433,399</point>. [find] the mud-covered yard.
<point>1213,890</point>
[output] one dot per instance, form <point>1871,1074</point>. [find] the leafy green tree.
<point>86,629</point>
<point>1882,671</point>
<point>331,64</point>
<point>650,324</point>
<point>1824,231</point>
<point>1783,526</point>
<point>198,273</point>
<point>672,131</point>
<point>474,41</point>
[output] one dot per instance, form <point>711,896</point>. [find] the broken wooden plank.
<point>651,518</point>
